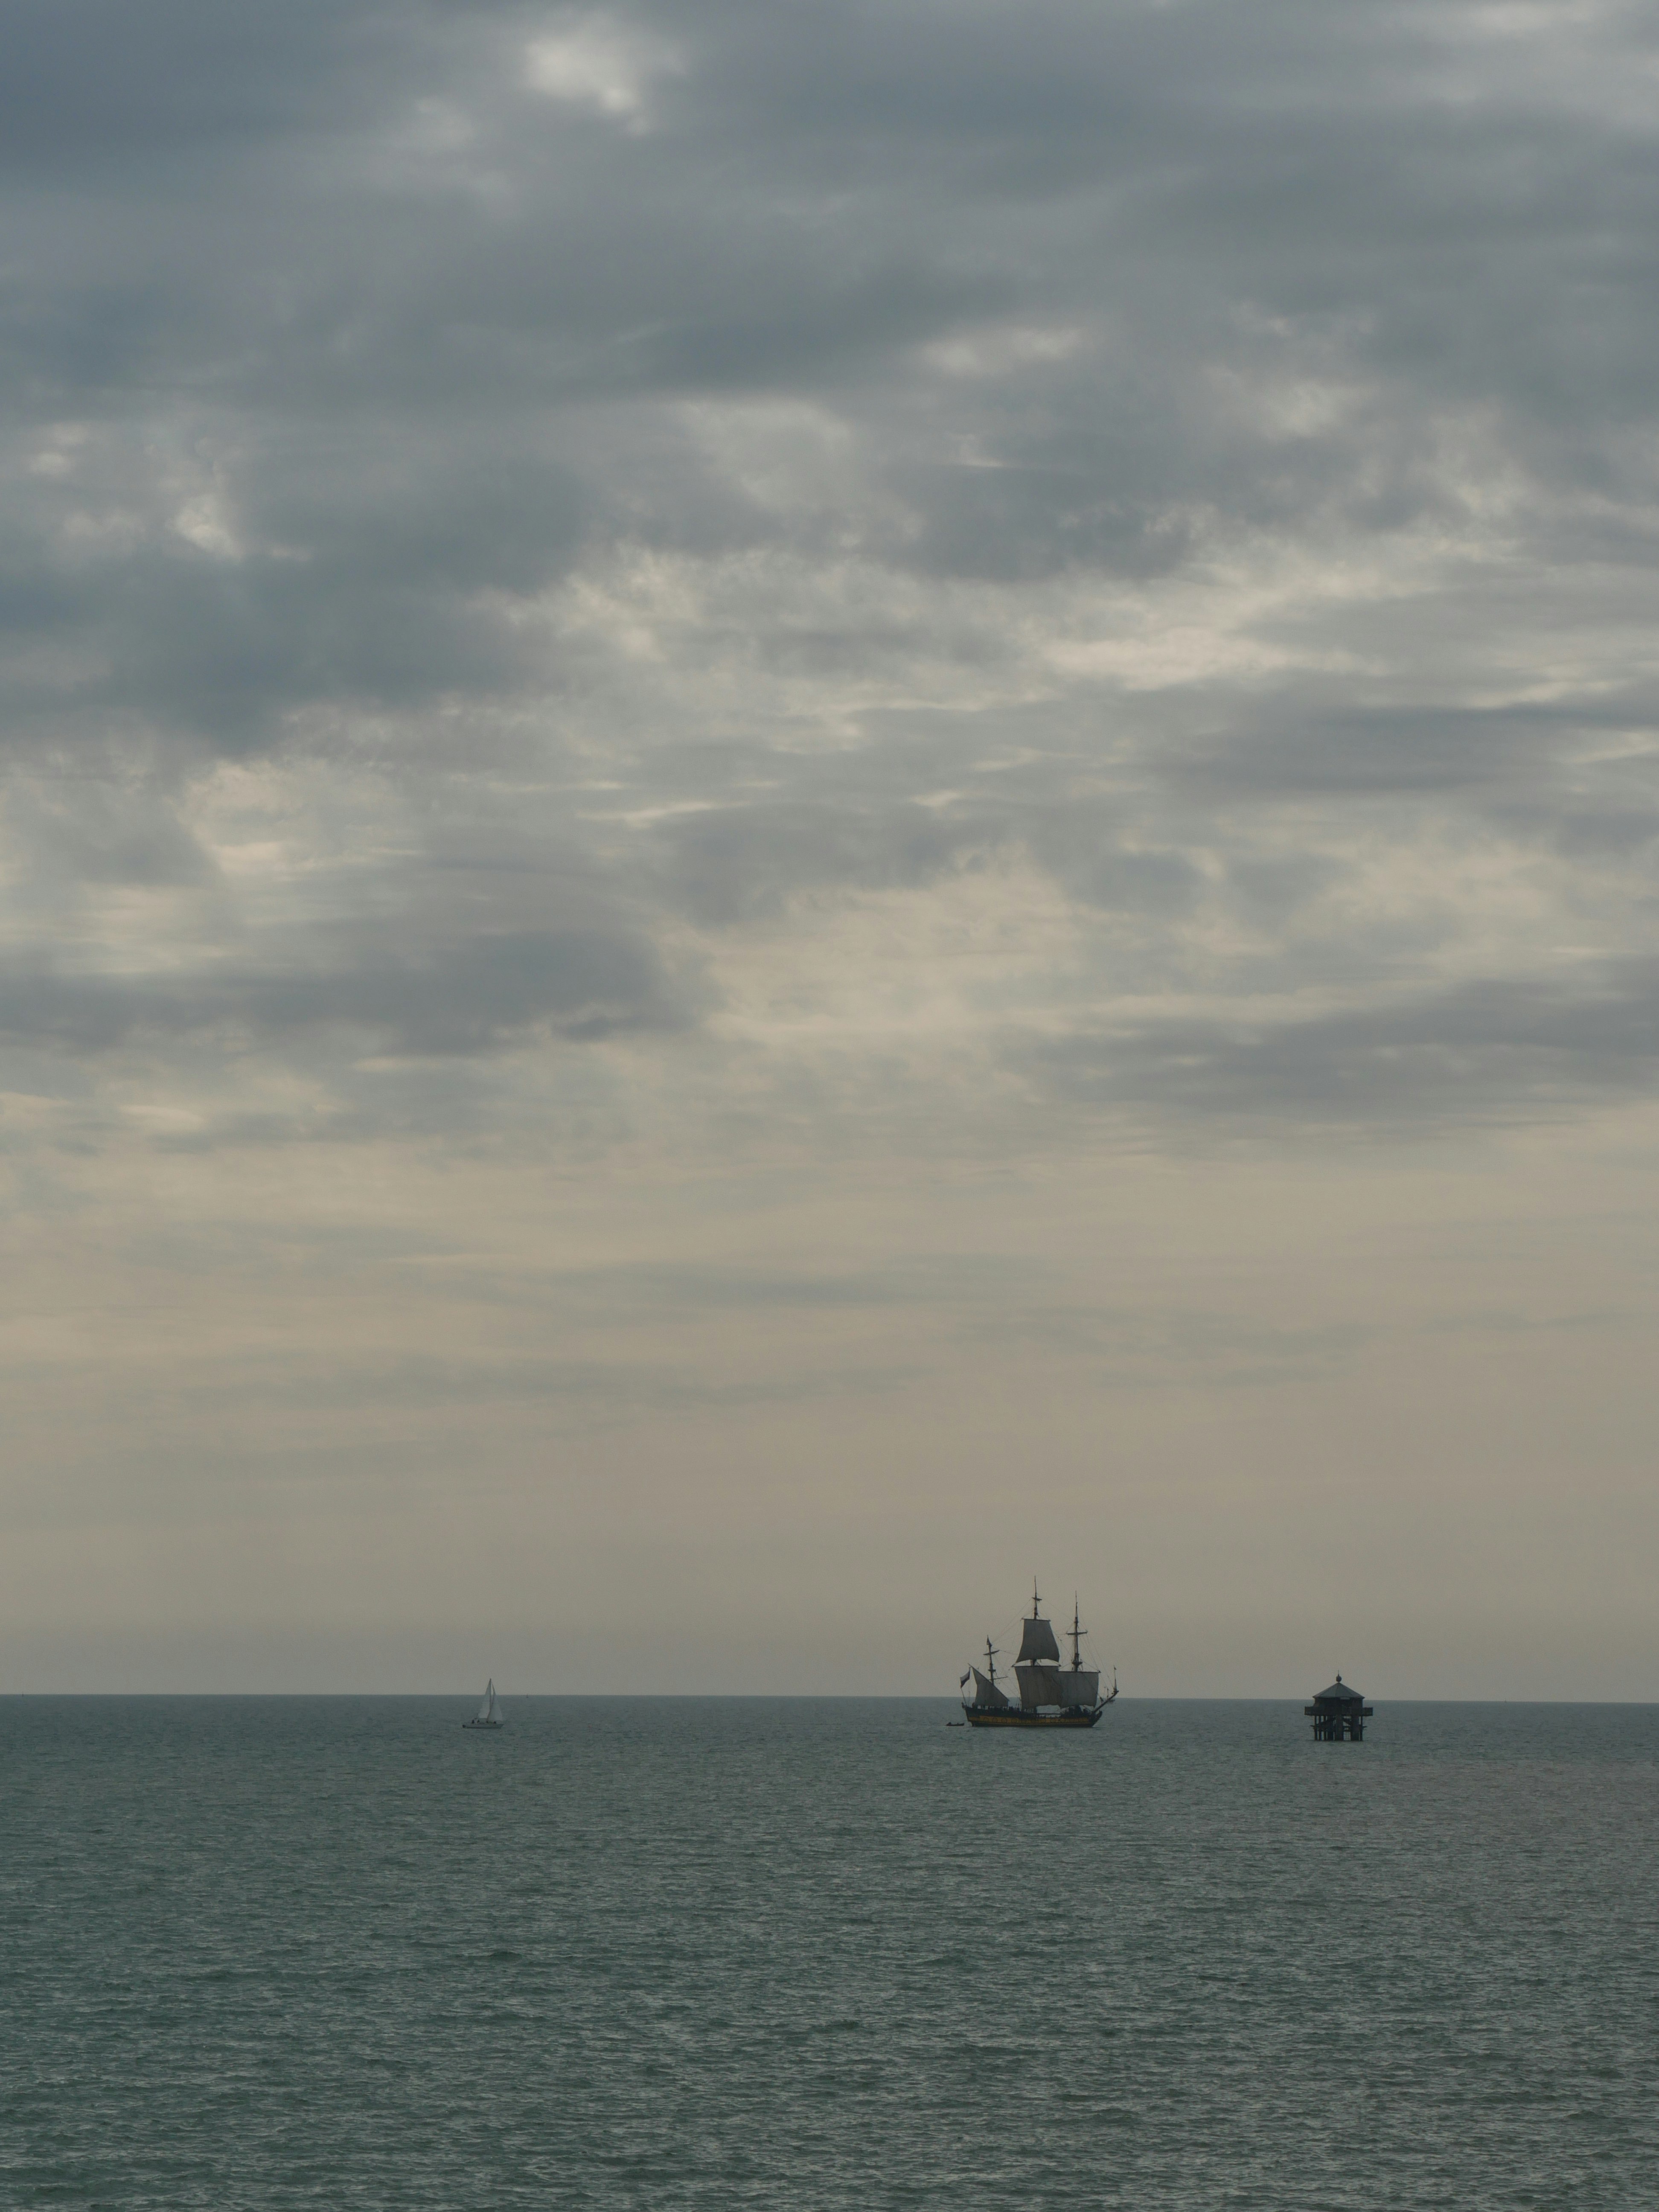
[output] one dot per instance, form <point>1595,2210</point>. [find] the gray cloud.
<point>464,996</point>
<point>763,768</point>
<point>766,456</point>
<point>1492,1053</point>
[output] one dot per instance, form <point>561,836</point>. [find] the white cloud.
<point>201,522</point>
<point>603,66</point>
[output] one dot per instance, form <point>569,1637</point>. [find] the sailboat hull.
<point>1017,1719</point>
<point>484,1724</point>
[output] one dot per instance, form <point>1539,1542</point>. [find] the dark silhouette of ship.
<point>1050,1695</point>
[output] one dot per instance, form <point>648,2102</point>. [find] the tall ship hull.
<point>1015,1718</point>
<point>1050,1696</point>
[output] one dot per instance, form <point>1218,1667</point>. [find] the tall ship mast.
<point>1050,1695</point>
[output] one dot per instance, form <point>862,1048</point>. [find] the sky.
<point>806,805</point>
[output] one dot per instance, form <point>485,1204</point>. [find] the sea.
<point>338,1951</point>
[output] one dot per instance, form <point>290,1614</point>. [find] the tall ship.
<point>1050,1695</point>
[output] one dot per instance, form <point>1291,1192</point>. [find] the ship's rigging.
<point>1050,1693</point>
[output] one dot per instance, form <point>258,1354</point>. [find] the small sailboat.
<point>488,1714</point>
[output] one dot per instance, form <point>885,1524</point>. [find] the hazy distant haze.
<point>800,805</point>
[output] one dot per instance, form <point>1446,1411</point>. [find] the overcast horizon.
<point>802,806</point>
<point>464,1697</point>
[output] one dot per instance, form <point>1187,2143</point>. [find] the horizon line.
<point>794,1697</point>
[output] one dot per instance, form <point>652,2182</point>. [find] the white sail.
<point>987,1693</point>
<point>1080,1686</point>
<point>1038,1686</point>
<point>486,1711</point>
<point>1037,1642</point>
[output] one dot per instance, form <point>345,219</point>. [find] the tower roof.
<point>1339,1693</point>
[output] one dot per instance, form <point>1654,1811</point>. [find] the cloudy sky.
<point>802,804</point>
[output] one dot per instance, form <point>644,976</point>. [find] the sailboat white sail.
<point>488,1715</point>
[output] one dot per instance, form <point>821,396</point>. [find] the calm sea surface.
<point>338,1953</point>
